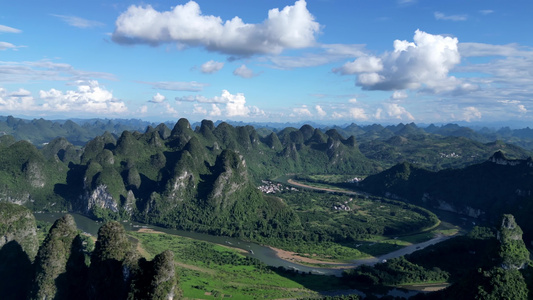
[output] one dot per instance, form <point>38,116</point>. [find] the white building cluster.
<point>269,187</point>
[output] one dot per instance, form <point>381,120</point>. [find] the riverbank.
<point>150,230</point>
<point>296,258</point>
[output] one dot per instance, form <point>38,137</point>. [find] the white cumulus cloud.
<point>394,110</point>
<point>378,113</point>
<point>244,72</point>
<point>302,111</point>
<point>158,98</point>
<point>235,105</point>
<point>215,111</point>
<point>21,100</point>
<point>337,115</point>
<point>470,113</point>
<point>171,110</point>
<point>320,111</point>
<point>364,64</point>
<point>211,67</point>
<point>423,63</point>
<point>290,28</point>
<point>198,109</point>
<point>89,97</point>
<point>397,95</point>
<point>358,113</point>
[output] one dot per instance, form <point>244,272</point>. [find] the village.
<point>270,187</point>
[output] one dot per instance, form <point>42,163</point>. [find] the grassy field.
<point>211,271</point>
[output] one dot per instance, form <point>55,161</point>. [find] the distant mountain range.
<point>80,131</point>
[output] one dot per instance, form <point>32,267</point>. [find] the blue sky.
<point>327,61</point>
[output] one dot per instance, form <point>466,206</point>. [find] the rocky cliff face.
<point>17,223</point>
<point>18,198</point>
<point>33,171</point>
<point>100,198</point>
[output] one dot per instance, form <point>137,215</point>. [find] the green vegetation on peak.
<point>156,279</point>
<point>206,130</point>
<point>61,270</point>
<point>17,223</point>
<point>18,247</point>
<point>60,149</point>
<point>307,131</point>
<point>163,130</point>
<point>513,251</point>
<point>111,262</point>
<point>272,141</point>
<point>51,260</point>
<point>182,132</point>
<point>112,243</point>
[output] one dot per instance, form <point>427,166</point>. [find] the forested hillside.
<point>202,180</point>
<point>498,185</point>
<point>205,178</point>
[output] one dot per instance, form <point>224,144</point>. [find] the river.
<point>269,256</point>
<point>263,253</point>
